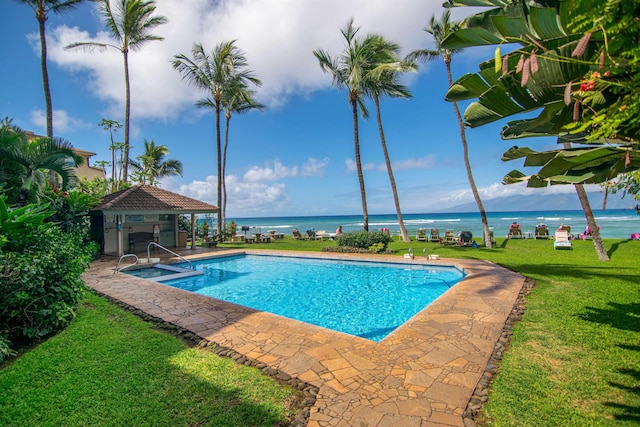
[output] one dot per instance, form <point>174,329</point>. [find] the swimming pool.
<point>161,272</point>
<point>366,299</point>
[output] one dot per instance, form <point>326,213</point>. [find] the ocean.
<point>615,223</point>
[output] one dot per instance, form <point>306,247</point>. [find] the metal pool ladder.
<point>117,270</point>
<point>171,252</point>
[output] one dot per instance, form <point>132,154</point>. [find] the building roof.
<point>147,199</point>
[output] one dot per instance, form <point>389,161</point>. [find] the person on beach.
<point>339,231</point>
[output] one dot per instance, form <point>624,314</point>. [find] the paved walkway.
<point>422,374</point>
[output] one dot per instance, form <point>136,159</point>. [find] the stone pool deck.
<point>422,374</point>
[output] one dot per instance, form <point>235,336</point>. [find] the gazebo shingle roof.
<point>147,198</point>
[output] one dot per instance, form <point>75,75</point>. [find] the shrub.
<point>40,273</point>
<point>365,240</point>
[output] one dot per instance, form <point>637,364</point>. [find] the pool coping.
<point>422,374</point>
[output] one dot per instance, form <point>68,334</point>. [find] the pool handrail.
<point>171,252</point>
<point>118,269</point>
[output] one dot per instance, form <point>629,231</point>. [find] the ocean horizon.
<point>614,223</point>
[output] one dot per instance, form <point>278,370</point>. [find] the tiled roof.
<point>147,198</point>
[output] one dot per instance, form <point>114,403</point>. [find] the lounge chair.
<point>541,232</point>
<point>434,235</point>
<point>421,235</point>
<point>465,238</point>
<point>313,235</point>
<point>449,238</point>
<point>562,240</point>
<point>515,233</point>
<point>322,234</point>
<point>493,241</point>
<point>297,235</point>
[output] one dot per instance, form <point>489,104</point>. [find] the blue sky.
<point>296,157</point>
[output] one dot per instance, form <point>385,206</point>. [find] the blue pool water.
<point>366,299</point>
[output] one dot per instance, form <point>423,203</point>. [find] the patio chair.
<point>493,241</point>
<point>515,233</point>
<point>541,232</point>
<point>434,235</point>
<point>421,235</point>
<point>562,240</point>
<point>297,235</point>
<point>449,238</point>
<point>465,238</point>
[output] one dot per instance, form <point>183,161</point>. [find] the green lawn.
<point>574,359</point>
<point>111,368</point>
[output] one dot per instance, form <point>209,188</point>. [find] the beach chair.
<point>562,240</point>
<point>515,233</point>
<point>465,238</point>
<point>421,235</point>
<point>541,232</point>
<point>313,235</point>
<point>493,241</point>
<point>449,238</point>
<point>434,235</point>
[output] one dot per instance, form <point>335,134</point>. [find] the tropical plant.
<point>577,64</point>
<point>41,269</point>
<point>362,60</point>
<point>440,30</point>
<point>384,81</point>
<point>25,165</point>
<point>365,240</point>
<point>151,165</point>
<point>217,74</point>
<point>238,99</point>
<point>130,25</point>
<point>42,9</point>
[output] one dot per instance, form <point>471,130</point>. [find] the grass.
<point>574,359</point>
<point>111,368</point>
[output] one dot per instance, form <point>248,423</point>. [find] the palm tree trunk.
<point>219,165</point>
<point>467,164</point>
<point>356,141</point>
<point>224,167</point>
<point>45,76</point>
<point>392,180</point>
<point>591,220</point>
<point>127,116</point>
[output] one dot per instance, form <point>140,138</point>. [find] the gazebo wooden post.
<point>193,231</point>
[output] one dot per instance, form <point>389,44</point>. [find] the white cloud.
<point>351,165</point>
<point>314,167</point>
<point>278,38</point>
<point>426,162</point>
<point>243,196</point>
<point>63,123</point>
<point>277,171</point>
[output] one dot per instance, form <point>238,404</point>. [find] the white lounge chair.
<point>562,240</point>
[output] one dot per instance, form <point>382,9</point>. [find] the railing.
<point>171,252</point>
<point>117,270</point>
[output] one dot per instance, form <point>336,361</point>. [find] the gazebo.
<point>141,214</point>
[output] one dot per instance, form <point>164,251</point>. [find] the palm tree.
<point>25,165</point>
<point>383,81</point>
<point>238,98</point>
<point>215,73</point>
<point>440,30</point>
<point>351,70</point>
<point>42,9</point>
<point>151,165</point>
<point>130,24</point>
<point>111,126</point>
